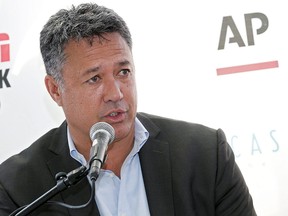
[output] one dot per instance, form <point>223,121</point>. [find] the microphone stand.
<point>64,181</point>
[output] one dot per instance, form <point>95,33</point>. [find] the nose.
<point>112,91</point>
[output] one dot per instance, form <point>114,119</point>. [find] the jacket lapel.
<point>156,170</point>
<point>77,194</point>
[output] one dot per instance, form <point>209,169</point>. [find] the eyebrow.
<point>123,63</point>
<point>91,70</point>
<point>97,68</point>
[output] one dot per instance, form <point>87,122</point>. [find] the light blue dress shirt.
<point>125,196</point>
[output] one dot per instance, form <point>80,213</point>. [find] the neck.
<point>117,153</point>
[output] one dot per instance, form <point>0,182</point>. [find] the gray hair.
<point>82,22</point>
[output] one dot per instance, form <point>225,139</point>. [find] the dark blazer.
<point>188,169</point>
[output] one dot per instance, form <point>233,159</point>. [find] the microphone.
<point>101,135</point>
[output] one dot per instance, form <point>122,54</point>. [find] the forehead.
<point>107,49</point>
<point>111,41</point>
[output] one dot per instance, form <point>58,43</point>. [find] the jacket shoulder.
<point>33,157</point>
<point>176,128</point>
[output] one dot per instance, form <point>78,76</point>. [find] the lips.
<point>113,114</point>
<point>116,115</point>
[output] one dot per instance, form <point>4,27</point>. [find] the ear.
<point>54,89</point>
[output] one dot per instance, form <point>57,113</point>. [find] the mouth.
<point>113,114</point>
<point>116,116</point>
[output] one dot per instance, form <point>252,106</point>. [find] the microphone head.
<point>102,126</point>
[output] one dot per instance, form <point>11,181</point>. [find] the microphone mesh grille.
<point>102,126</point>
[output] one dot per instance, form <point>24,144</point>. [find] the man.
<point>155,166</point>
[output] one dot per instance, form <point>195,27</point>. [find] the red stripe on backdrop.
<point>246,68</point>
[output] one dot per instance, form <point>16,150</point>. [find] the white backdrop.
<point>177,56</point>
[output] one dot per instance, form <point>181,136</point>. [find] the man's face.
<point>99,85</point>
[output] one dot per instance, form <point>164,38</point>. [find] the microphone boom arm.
<point>64,181</point>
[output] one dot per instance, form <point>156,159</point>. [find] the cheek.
<point>81,109</point>
<point>135,92</point>
<point>72,101</point>
<point>130,92</point>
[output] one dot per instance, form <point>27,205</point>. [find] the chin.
<point>123,130</point>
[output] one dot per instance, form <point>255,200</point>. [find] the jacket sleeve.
<point>232,196</point>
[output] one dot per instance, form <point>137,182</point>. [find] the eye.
<point>124,72</point>
<point>94,79</point>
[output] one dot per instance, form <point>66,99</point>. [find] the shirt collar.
<point>73,151</point>
<point>141,136</point>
